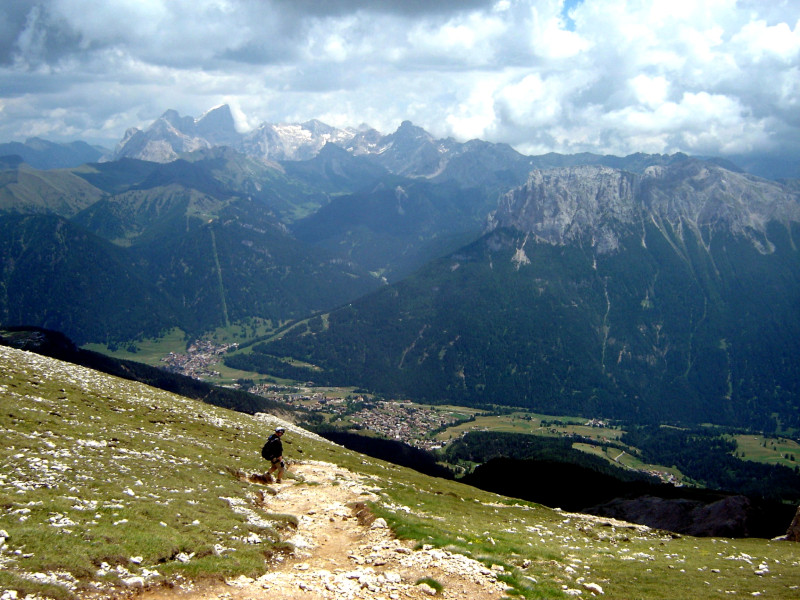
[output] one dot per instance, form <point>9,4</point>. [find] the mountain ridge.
<point>409,150</point>
<point>184,227</point>
<point>556,209</point>
<point>44,154</point>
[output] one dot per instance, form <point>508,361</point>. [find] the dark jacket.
<point>273,448</point>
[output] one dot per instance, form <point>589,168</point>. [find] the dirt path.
<point>341,556</point>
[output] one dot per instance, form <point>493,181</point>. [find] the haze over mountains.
<point>584,283</point>
<point>598,291</point>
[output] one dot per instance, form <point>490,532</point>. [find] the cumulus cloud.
<point>608,76</point>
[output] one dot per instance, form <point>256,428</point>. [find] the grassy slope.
<point>772,451</point>
<point>103,479</point>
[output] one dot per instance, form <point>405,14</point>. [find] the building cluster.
<point>297,397</point>
<point>199,359</point>
<point>664,476</point>
<point>404,421</point>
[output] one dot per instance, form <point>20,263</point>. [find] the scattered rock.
<point>183,557</point>
<point>134,581</point>
<point>379,523</point>
<point>240,581</point>
<point>392,577</point>
<point>426,589</point>
<point>593,588</point>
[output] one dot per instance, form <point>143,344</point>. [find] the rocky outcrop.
<point>601,204</point>
<point>559,205</point>
<point>730,516</point>
<point>793,533</point>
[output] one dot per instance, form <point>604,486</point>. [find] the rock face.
<point>793,533</point>
<point>561,206</point>
<point>171,135</point>
<point>731,516</point>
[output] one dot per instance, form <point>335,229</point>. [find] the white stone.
<point>392,577</point>
<point>426,589</point>
<point>594,588</point>
<point>253,538</point>
<point>183,557</point>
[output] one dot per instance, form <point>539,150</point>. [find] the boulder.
<point>793,533</point>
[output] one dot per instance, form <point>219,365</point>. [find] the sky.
<point>705,77</point>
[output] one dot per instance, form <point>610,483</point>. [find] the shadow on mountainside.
<point>684,510</point>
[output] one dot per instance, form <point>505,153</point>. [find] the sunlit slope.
<point>106,482</point>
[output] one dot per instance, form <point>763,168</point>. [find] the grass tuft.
<point>432,583</point>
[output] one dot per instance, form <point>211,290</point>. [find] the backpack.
<point>268,450</point>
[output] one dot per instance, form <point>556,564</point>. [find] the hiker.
<point>273,452</point>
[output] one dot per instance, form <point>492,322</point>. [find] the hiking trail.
<point>341,551</point>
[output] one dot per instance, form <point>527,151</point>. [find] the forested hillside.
<point>626,312</point>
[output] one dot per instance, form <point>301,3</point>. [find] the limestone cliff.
<point>599,203</point>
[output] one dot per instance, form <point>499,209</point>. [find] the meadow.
<point>108,484</point>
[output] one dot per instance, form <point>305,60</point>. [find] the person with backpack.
<point>273,452</point>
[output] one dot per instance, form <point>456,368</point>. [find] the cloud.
<point>607,76</point>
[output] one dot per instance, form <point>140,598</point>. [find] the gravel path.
<point>342,552</point>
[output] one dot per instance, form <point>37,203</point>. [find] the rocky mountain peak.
<point>409,131</point>
<point>173,118</point>
<point>217,126</point>
<point>315,126</point>
<point>366,141</point>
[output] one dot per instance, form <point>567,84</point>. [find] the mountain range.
<point>649,286</point>
<point>44,154</point>
<point>409,151</point>
<point>116,250</point>
<point>172,135</point>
